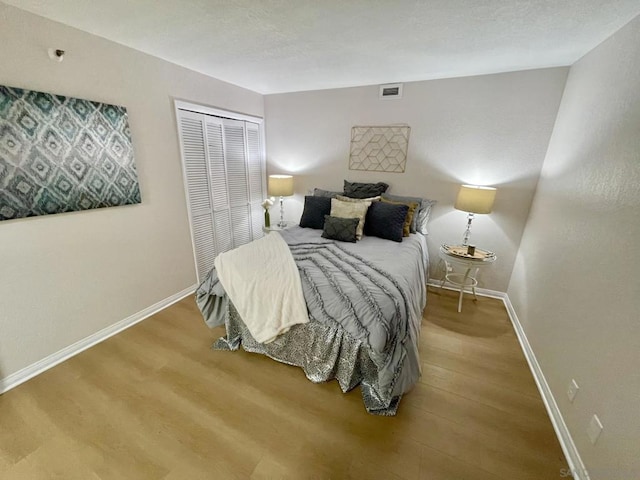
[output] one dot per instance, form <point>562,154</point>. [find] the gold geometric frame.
<point>379,148</point>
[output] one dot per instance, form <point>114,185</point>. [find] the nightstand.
<point>275,228</point>
<point>455,257</point>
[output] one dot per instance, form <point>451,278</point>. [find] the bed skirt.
<point>324,352</point>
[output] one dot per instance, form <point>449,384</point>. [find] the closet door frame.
<point>216,112</point>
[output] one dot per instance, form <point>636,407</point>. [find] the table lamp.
<point>280,186</point>
<point>474,199</point>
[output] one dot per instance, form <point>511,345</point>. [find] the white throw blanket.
<point>262,281</point>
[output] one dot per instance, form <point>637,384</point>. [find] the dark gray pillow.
<point>386,220</point>
<point>421,217</point>
<point>318,192</point>
<point>342,229</point>
<point>364,190</point>
<point>315,208</point>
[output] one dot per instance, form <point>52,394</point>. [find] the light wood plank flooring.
<point>154,402</point>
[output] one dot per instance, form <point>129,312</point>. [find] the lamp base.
<point>282,223</point>
<point>467,232</point>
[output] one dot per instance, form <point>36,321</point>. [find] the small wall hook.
<point>56,54</point>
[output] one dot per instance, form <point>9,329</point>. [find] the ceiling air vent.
<point>391,90</point>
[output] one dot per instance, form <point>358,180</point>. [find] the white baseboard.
<point>54,359</point>
<point>577,468</point>
<point>483,292</point>
<point>576,465</point>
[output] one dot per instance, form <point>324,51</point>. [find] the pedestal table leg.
<point>464,282</point>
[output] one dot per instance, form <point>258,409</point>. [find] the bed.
<point>365,303</point>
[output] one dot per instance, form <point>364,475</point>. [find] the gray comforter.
<point>365,303</point>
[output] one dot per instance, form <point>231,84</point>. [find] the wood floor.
<point>154,402</point>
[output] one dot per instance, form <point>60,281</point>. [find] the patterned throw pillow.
<point>364,190</point>
<point>342,229</point>
<point>406,230</point>
<point>315,208</point>
<point>351,210</point>
<point>421,217</point>
<point>386,220</point>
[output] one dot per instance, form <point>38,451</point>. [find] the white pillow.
<point>349,199</point>
<point>342,209</point>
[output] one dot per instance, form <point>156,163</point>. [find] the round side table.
<point>468,267</point>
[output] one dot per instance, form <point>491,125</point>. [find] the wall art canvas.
<point>379,148</point>
<point>61,154</point>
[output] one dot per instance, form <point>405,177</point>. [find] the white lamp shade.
<point>280,185</point>
<point>475,199</point>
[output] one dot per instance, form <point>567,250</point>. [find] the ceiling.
<point>273,46</point>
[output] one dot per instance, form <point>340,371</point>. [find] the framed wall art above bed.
<point>379,148</point>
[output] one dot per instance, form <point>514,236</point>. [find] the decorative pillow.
<point>406,229</point>
<point>421,217</point>
<point>364,190</point>
<point>386,220</point>
<point>349,199</point>
<point>351,210</point>
<point>318,192</point>
<point>342,229</point>
<point>315,208</point>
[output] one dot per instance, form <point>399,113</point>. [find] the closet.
<point>224,171</point>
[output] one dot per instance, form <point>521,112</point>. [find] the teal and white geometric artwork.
<point>61,154</point>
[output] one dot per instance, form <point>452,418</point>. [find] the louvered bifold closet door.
<point>218,184</point>
<point>237,180</point>
<point>225,182</point>
<point>198,192</point>
<point>257,187</point>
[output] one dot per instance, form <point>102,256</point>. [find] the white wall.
<point>64,277</point>
<point>576,283</point>
<point>488,130</point>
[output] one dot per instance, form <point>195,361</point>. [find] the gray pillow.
<point>318,192</point>
<point>421,217</point>
<point>364,190</point>
<point>386,220</point>
<point>342,229</point>
<point>315,208</point>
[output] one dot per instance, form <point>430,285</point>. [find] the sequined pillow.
<point>341,229</point>
<point>351,210</point>
<point>386,220</point>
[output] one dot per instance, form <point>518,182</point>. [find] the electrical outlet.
<point>594,429</point>
<point>572,390</point>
